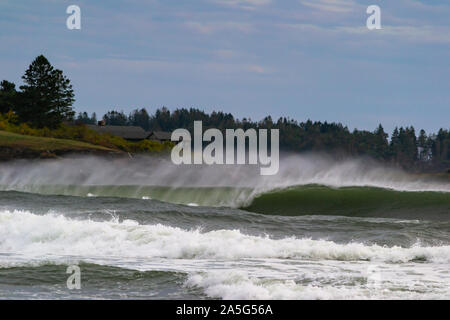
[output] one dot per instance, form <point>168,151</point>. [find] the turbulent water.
<point>142,228</point>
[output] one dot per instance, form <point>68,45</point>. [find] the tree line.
<point>46,98</point>
<point>405,147</point>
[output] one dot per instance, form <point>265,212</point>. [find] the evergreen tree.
<point>8,95</point>
<point>140,118</point>
<point>381,144</point>
<point>46,97</point>
<point>115,118</point>
<point>83,118</point>
<point>422,143</point>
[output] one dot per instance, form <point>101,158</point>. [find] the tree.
<point>423,146</point>
<point>381,143</point>
<point>46,97</point>
<point>8,95</point>
<point>140,118</point>
<point>114,118</point>
<point>85,119</point>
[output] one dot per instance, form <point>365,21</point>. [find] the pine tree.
<point>7,96</point>
<point>47,96</point>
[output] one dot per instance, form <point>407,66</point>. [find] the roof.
<point>126,132</point>
<point>160,135</point>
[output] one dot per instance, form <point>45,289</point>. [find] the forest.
<point>404,147</point>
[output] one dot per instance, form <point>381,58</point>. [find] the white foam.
<point>28,234</point>
<point>192,204</point>
<point>228,264</point>
<point>239,285</point>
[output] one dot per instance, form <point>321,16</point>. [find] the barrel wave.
<point>353,201</point>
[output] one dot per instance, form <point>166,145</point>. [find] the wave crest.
<point>51,235</point>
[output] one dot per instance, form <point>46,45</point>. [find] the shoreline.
<point>15,146</point>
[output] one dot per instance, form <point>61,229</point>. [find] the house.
<point>130,133</point>
<point>160,136</point>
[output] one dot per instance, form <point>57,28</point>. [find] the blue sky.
<point>304,59</point>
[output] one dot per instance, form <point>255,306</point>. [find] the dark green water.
<point>353,201</point>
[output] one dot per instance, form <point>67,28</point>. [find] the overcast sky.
<point>300,58</point>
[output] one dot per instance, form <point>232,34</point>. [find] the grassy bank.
<point>76,138</point>
<point>13,145</point>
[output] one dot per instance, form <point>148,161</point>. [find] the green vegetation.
<point>46,98</point>
<point>80,133</point>
<point>40,109</point>
<point>19,141</point>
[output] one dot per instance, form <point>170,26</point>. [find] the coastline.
<point>15,146</point>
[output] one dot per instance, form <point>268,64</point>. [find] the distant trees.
<point>84,118</point>
<point>8,95</point>
<point>45,99</point>
<point>140,118</point>
<point>115,118</point>
<point>404,148</point>
<point>424,145</point>
<point>441,145</point>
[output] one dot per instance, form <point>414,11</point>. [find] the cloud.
<point>120,64</point>
<point>245,2</point>
<point>424,34</point>
<point>226,53</point>
<point>177,68</point>
<point>212,27</point>
<point>337,6</point>
<point>257,69</point>
<point>233,69</point>
<point>417,34</point>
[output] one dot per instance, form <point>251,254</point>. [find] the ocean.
<point>145,229</point>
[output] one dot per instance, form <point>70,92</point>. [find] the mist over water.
<point>242,182</point>
<point>145,228</point>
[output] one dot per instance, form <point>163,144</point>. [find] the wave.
<point>50,236</point>
<point>229,186</point>
<point>239,285</point>
<point>48,281</point>
<point>353,201</point>
<point>190,196</point>
<point>289,201</point>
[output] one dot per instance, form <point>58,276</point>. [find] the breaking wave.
<point>230,186</point>
<point>51,235</point>
<point>239,285</point>
<point>353,201</point>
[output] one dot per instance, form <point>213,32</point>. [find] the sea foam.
<point>51,235</point>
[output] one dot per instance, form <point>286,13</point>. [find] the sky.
<point>302,59</point>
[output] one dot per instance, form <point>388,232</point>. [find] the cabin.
<point>160,136</point>
<point>130,133</point>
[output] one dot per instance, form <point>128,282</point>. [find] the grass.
<point>74,137</point>
<point>43,144</point>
